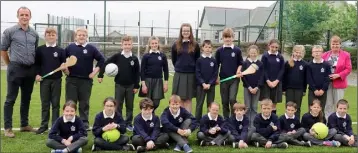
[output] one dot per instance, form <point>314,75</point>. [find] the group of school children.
<point>196,75</point>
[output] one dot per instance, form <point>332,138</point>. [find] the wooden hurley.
<point>72,60</point>
<point>251,70</point>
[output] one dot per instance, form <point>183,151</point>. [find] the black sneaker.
<point>235,145</point>
<point>282,145</point>
<point>256,144</point>
<point>128,147</point>
<point>166,146</point>
<point>141,149</point>
<point>308,144</point>
<point>95,148</point>
<point>41,130</point>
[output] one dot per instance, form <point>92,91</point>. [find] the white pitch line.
<point>18,129</point>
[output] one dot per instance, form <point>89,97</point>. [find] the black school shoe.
<point>41,130</point>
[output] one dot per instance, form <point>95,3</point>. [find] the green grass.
<point>29,142</point>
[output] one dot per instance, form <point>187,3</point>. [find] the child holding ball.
<point>127,78</point>
<point>108,120</point>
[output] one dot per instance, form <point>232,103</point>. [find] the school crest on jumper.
<point>55,54</point>
<point>73,128</point>
<point>322,70</point>
<point>233,54</point>
<point>344,124</point>
<point>292,125</point>
<point>180,120</point>
<point>301,67</point>
<point>211,64</point>
<point>151,124</point>
<point>272,124</point>
<point>277,59</point>
<point>132,63</point>
<point>159,58</point>
<point>240,127</point>
<point>85,51</point>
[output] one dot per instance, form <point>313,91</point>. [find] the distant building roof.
<point>115,34</point>
<point>237,17</point>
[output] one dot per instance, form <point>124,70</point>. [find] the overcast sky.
<point>122,12</point>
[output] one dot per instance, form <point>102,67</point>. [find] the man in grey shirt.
<point>22,41</point>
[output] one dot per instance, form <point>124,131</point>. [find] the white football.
<point>111,70</point>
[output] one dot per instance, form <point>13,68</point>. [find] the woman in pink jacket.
<point>341,66</point>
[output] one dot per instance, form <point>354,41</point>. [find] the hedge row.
<point>308,54</point>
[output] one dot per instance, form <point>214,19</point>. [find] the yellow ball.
<point>321,130</point>
<point>111,135</point>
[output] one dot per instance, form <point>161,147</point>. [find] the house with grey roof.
<point>246,23</point>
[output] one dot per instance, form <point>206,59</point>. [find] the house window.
<point>262,36</point>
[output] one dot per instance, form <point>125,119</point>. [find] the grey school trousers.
<point>251,102</point>
<point>79,89</point>
<point>117,145</point>
<point>200,97</point>
<point>181,141</point>
<point>218,140</point>
<point>228,92</point>
<point>51,143</point>
<point>308,137</point>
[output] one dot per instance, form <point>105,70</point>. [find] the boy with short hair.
<point>342,122</point>
<point>229,58</point>
<point>267,128</point>
<point>238,126</point>
<point>147,132</point>
<point>79,78</point>
<point>318,72</point>
<point>178,123</point>
<point>49,57</point>
<point>206,75</point>
<point>290,126</point>
<point>127,78</point>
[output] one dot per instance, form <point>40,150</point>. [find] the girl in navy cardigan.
<point>252,82</point>
<point>294,79</point>
<point>154,64</point>
<point>107,120</point>
<point>273,72</point>
<point>212,130</point>
<point>68,134</point>
<point>309,119</point>
<point>147,132</point>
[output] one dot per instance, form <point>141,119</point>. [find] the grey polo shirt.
<point>22,44</point>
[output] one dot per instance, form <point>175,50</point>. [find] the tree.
<point>343,22</point>
<point>303,21</point>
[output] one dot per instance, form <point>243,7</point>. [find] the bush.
<point>308,54</point>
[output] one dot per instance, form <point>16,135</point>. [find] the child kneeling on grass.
<point>68,134</point>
